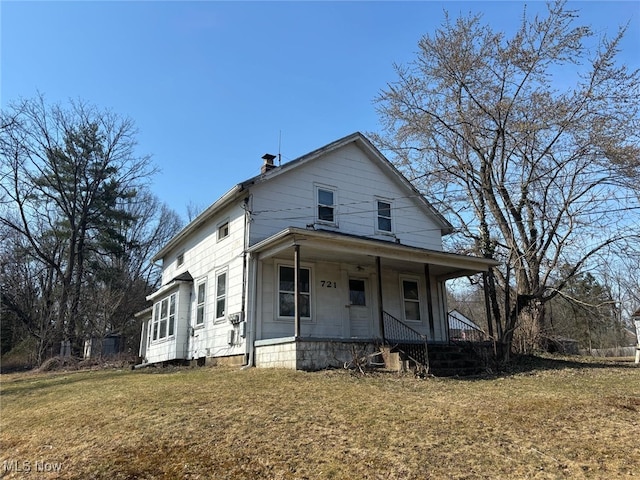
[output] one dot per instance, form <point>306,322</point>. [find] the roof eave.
<point>200,220</point>
<point>357,137</point>
<point>466,264</point>
<point>445,226</point>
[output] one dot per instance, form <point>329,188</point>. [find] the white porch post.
<point>380,305</point>
<point>427,274</point>
<point>296,289</point>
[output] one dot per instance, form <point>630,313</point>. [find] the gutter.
<point>200,220</point>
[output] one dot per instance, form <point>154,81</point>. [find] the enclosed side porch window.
<point>164,317</point>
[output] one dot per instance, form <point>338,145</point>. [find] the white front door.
<point>359,308</point>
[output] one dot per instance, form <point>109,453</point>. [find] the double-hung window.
<point>202,291</point>
<point>383,218</point>
<point>286,292</point>
<point>164,318</point>
<point>221,295</point>
<point>411,298</point>
<point>326,198</point>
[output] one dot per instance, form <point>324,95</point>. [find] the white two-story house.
<point>296,266</point>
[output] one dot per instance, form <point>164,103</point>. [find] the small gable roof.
<point>455,314</point>
<point>357,138</point>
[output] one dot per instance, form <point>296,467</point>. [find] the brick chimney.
<point>268,163</point>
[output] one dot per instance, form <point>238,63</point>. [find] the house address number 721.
<point>328,284</point>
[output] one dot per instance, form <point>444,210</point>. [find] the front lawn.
<point>552,419</point>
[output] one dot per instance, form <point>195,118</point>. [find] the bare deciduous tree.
<point>528,143</point>
<point>73,191</point>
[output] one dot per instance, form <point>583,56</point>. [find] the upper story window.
<point>383,219</point>
<point>326,198</point>
<point>223,230</point>
<point>180,259</point>
<point>164,317</point>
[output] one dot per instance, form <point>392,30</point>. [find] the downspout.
<point>188,353</point>
<point>245,276</point>
<point>245,246</point>
<point>252,322</point>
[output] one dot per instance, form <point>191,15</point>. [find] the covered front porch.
<point>322,295</point>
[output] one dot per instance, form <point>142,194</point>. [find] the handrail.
<point>396,331</point>
<point>468,332</point>
<point>411,342</point>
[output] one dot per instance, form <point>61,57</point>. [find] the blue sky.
<point>212,86</point>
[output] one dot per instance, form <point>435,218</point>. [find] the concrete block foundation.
<point>312,354</point>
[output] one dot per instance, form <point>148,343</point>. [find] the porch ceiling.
<point>325,246</point>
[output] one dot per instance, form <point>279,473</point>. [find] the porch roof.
<point>184,277</point>
<point>326,245</point>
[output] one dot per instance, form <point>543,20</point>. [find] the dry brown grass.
<point>551,420</point>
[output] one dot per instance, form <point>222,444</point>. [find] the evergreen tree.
<point>70,182</point>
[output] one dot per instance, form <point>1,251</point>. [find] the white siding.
<point>204,257</point>
<point>290,200</point>
<point>172,347</point>
<point>330,315</point>
<point>392,300</point>
<point>328,312</point>
<point>203,251</point>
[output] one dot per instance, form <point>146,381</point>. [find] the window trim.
<point>154,321</point>
<point>173,310</point>
<point>169,305</point>
<point>334,206</point>
<point>224,296</point>
<point>180,259</point>
<point>377,216</point>
<point>291,318</point>
<point>419,301</point>
<point>203,304</point>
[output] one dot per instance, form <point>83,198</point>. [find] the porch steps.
<point>415,354</point>
<point>443,360</point>
<point>448,360</point>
